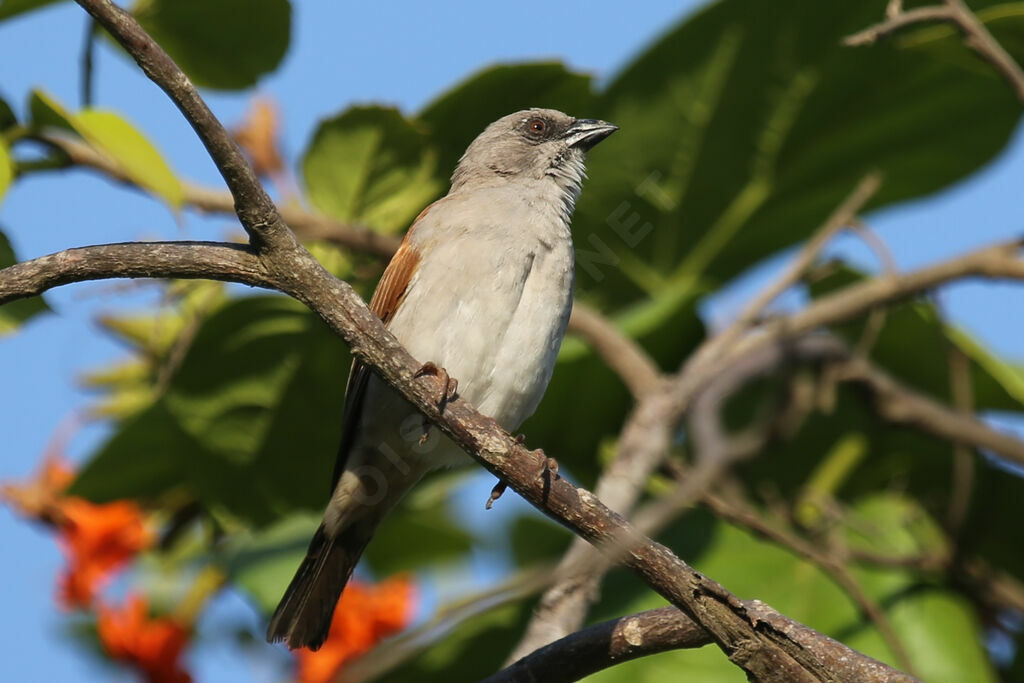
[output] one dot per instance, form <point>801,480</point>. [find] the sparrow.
<point>480,286</point>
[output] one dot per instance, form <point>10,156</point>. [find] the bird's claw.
<point>496,492</point>
<point>449,385</point>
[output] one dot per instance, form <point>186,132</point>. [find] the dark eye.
<point>537,126</point>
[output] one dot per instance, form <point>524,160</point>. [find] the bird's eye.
<point>536,126</point>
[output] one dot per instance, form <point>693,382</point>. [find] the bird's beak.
<point>586,133</point>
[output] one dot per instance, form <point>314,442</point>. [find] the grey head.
<point>533,145</point>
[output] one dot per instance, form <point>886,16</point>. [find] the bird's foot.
<point>496,492</point>
<point>448,385</point>
<point>548,466</point>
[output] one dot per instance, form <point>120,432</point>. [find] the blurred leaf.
<point>7,115</point>
<point>147,456</point>
<point>227,44</point>
<point>370,165</point>
<point>470,652</point>
<point>9,8</point>
<point>914,345</point>
<point>6,167</point>
<point>112,135</point>
<point>17,312</point>
<point>412,537</point>
<point>459,115</point>
<point>535,539</point>
<point>136,156</point>
<point>150,334</point>
<point>263,562</point>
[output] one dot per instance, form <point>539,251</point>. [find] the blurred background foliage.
<point>742,128</point>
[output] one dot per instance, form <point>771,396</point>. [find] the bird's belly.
<point>499,336</point>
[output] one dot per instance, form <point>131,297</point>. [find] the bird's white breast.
<point>491,298</point>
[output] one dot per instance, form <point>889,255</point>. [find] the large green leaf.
<point>225,44</point>
<point>118,139</point>
<point>251,418</point>
<point>370,165</point>
<point>17,312</point>
<point>743,127</point>
<point>9,8</point>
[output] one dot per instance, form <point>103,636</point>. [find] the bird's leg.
<point>449,386</point>
<point>500,487</point>
<point>548,466</point>
<point>496,492</point>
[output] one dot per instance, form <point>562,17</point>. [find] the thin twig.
<point>975,35</point>
<point>841,217</point>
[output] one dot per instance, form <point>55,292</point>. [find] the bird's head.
<point>533,144</point>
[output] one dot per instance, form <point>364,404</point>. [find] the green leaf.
<point>6,167</point>
<point>9,8</point>
<point>226,44</point>
<point>263,562</point>
<point>147,456</point>
<point>112,135</point>
<point>16,313</point>
<point>460,114</point>
<point>7,116</point>
<point>138,158</point>
<point>744,126</point>
<point>370,165</point>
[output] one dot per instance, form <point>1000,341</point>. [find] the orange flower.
<point>152,646</point>
<point>98,540</point>
<point>365,615</point>
<point>39,498</point>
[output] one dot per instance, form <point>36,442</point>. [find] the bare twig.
<point>843,216</point>
<point>955,12</point>
<point>618,351</point>
<point>962,394</point>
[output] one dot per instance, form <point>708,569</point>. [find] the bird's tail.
<point>303,617</point>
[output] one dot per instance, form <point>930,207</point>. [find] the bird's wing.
<point>386,299</point>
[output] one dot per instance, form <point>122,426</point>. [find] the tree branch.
<point>253,206</point>
<point>955,12</point>
<point>305,223</point>
<point>190,260</point>
<point>766,645</point>
<point>604,645</point>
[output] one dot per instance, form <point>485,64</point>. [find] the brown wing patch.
<point>386,299</point>
<point>395,281</point>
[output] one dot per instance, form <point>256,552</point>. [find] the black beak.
<point>585,133</point>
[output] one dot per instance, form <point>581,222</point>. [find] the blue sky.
<point>342,53</point>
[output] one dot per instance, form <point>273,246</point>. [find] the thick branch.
<point>604,645</point>
<point>208,260</point>
<point>253,206</point>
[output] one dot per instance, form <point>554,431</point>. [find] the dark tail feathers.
<point>303,618</point>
